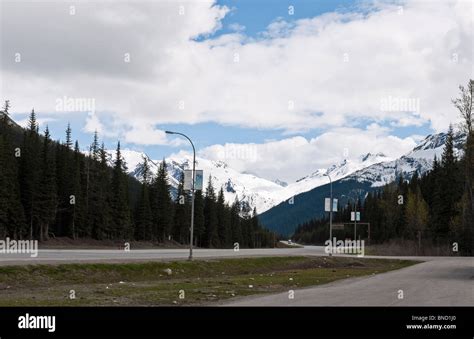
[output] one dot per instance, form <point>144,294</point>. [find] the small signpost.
<point>355,216</point>
<point>199,180</point>
<point>188,180</point>
<point>327,205</point>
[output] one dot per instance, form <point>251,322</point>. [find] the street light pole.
<point>191,237</point>
<point>330,212</point>
<point>355,214</point>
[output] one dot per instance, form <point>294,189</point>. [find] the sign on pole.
<point>327,205</point>
<point>188,180</point>
<point>355,216</point>
<point>334,205</point>
<point>199,180</point>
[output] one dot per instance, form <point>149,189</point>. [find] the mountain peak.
<point>280,183</point>
<point>370,156</point>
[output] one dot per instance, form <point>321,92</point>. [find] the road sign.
<point>188,180</point>
<point>199,180</point>
<point>327,205</point>
<point>355,216</point>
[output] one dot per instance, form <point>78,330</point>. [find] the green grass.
<point>203,281</point>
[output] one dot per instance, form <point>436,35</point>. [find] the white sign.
<point>188,180</point>
<point>199,180</point>
<point>355,216</point>
<point>327,205</point>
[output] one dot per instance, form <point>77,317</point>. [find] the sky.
<point>274,88</point>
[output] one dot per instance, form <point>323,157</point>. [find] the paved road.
<point>71,256</point>
<point>438,281</point>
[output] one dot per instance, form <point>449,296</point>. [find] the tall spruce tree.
<point>144,220</point>
<point>210,216</point>
<point>29,174</point>
<point>12,218</point>
<point>466,109</point>
<point>47,192</point>
<point>162,204</point>
<point>223,220</point>
<point>235,222</point>
<point>77,198</point>
<point>121,219</point>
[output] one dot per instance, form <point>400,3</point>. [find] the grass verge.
<point>163,283</point>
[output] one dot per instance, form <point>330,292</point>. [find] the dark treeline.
<point>436,208</point>
<point>51,189</point>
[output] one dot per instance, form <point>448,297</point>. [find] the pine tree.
<point>29,174</point>
<point>235,222</point>
<point>68,137</point>
<point>12,218</point>
<point>447,189</point>
<point>103,226</point>
<point>162,204</point>
<point>121,219</point>
<point>77,198</point>
<point>223,220</point>
<point>210,216</point>
<point>47,194</point>
<point>466,109</point>
<point>144,220</point>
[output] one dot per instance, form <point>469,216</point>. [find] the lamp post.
<point>330,212</point>
<point>192,194</point>
<point>355,214</point>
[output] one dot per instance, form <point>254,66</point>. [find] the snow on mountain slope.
<point>264,194</point>
<point>250,189</point>
<point>318,178</point>
<point>420,160</point>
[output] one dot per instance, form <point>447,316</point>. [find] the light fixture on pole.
<point>191,237</point>
<point>330,211</point>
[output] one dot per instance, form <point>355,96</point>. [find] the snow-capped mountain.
<point>248,188</point>
<point>318,177</point>
<point>377,169</point>
<point>420,160</point>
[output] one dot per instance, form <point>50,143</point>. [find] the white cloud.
<point>423,53</point>
<point>93,124</point>
<point>292,158</point>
